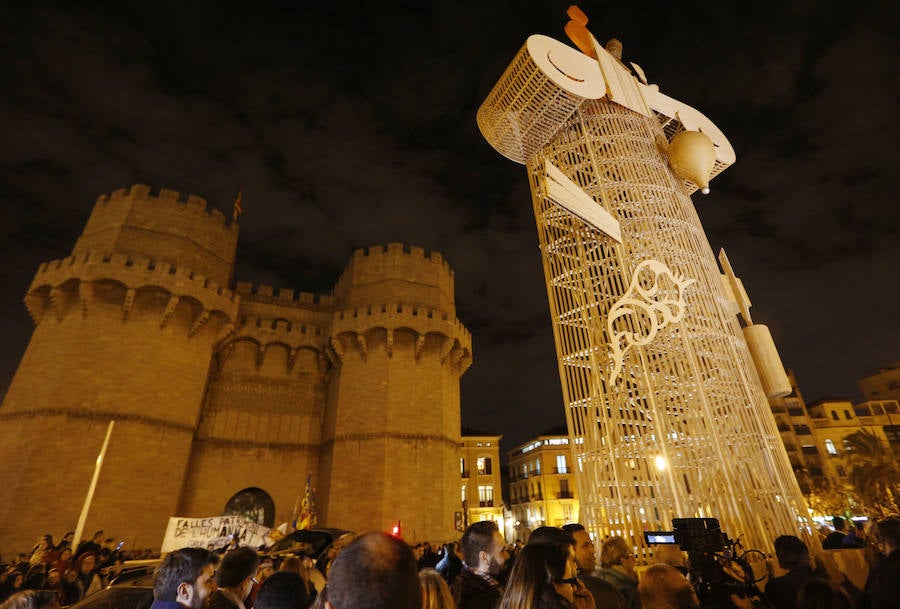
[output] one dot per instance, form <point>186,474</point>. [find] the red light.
<point>395,530</point>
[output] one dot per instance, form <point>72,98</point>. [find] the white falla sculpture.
<point>666,403</point>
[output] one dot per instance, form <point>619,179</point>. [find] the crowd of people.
<point>71,573</point>
<point>557,568</point>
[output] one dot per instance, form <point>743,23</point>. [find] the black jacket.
<point>471,591</point>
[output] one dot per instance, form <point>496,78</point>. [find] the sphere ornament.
<point>692,156</point>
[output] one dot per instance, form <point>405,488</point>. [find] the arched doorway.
<point>254,504</point>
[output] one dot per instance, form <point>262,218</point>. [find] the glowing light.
<point>661,463</point>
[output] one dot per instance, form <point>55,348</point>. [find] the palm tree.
<point>874,471</point>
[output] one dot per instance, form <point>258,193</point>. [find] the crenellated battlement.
<point>395,250</point>
<point>165,198</point>
<point>396,273</point>
<point>91,266</point>
<point>403,315</point>
<point>282,296</point>
<point>168,226</point>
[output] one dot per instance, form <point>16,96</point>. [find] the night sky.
<point>354,124</point>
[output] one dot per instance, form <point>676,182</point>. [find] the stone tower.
<point>393,404</point>
<point>125,330</point>
<point>217,395</point>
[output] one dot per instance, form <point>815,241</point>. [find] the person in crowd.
<point>883,588</point>
<point>855,537</point>
<point>435,591</point>
<point>88,580</point>
<point>793,556</point>
<point>376,571</point>
<point>15,582</point>
<point>282,590</point>
<point>54,582</point>
<point>429,559</point>
<point>484,554</point>
<point>263,571</point>
<point>834,539</point>
<point>617,563</point>
<point>34,578</point>
<point>450,565</point>
<point>32,599</point>
<point>672,555</point>
<point>63,561</point>
<point>70,586</point>
<point>183,579</point>
<point>92,546</point>
<point>234,577</point>
<point>821,594</point>
<point>581,597</point>
<point>306,568</point>
<point>543,577</point>
<point>66,541</point>
<point>605,594</point>
<point>664,587</point>
<point>41,551</point>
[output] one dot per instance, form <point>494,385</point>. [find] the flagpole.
<point>79,529</point>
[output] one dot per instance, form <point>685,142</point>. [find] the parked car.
<point>308,542</point>
<point>136,593</point>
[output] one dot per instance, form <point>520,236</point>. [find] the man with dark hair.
<point>793,556</point>
<point>376,571</point>
<point>663,587</point>
<point>605,594</point>
<point>484,554</point>
<point>282,590</point>
<point>883,587</point>
<point>235,578</point>
<point>183,579</point>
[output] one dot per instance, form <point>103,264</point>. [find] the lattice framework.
<point>691,396</point>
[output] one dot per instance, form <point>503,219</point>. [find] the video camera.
<point>715,571</point>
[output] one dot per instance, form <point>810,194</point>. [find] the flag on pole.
<point>305,516</point>
<point>237,209</point>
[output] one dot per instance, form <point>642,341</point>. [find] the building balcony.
<point>565,495</point>
<point>486,503</point>
<point>466,474</point>
<point>562,470</point>
<point>538,497</point>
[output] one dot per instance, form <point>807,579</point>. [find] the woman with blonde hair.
<point>617,563</point>
<point>435,591</point>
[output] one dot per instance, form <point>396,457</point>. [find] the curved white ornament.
<point>649,308</point>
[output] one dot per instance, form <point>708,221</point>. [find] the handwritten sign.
<point>213,533</point>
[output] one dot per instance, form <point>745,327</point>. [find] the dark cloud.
<point>354,124</point>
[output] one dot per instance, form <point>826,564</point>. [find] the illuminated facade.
<point>882,384</point>
<point>481,494</point>
<point>227,396</point>
<point>542,484</point>
<point>667,388</point>
<point>813,434</point>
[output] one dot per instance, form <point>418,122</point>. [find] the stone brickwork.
<point>215,391</point>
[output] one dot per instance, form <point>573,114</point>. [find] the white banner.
<point>213,533</point>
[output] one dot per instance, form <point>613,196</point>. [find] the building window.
<point>841,471</point>
<point>462,467</point>
<point>835,415</point>
<point>484,466</point>
<point>537,465</point>
<point>486,496</point>
<point>829,446</point>
<point>463,493</point>
<point>561,466</point>
<point>253,504</point>
<point>847,415</point>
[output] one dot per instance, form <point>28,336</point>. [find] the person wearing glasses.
<point>617,563</point>
<point>543,577</point>
<point>235,577</point>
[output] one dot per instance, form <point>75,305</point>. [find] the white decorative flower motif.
<point>654,299</point>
